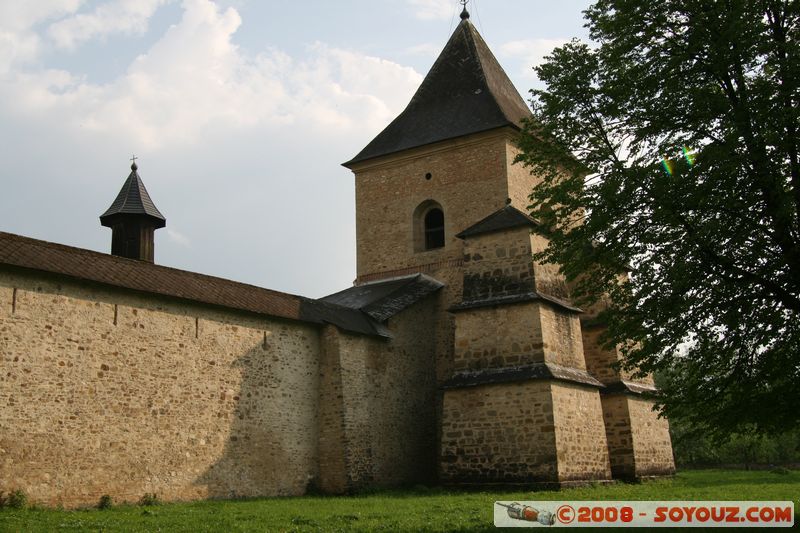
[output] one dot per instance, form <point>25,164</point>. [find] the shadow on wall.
<point>270,444</point>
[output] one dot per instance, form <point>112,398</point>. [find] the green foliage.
<point>397,510</point>
<point>149,498</point>
<point>106,502</point>
<point>672,146</point>
<point>16,499</point>
<point>696,447</point>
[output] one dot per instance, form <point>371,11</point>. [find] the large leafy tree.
<point>671,145</point>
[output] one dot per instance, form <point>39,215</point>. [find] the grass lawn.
<point>417,510</point>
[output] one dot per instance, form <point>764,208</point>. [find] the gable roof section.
<point>506,218</point>
<point>133,199</point>
<point>383,299</point>
<point>466,91</point>
<point>86,265</point>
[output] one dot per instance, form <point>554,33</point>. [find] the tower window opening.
<point>434,229</point>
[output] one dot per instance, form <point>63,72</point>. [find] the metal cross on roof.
<point>134,158</point>
<point>464,12</point>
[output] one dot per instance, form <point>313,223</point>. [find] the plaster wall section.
<point>580,433</point>
<point>501,433</point>
<point>104,391</point>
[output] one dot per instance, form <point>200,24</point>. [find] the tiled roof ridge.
<point>81,264</point>
<point>125,260</point>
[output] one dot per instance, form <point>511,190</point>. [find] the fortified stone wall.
<point>107,392</point>
<point>467,178</point>
<point>561,336</point>
<point>580,433</point>
<point>639,441</point>
<point>618,432</point>
<point>501,336</point>
<point>387,405</point>
<point>601,362</point>
<point>498,265</point>
<point>652,446</point>
<point>503,432</point>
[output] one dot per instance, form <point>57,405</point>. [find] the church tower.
<point>437,192</point>
<point>133,219</point>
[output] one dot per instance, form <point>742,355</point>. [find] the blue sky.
<point>240,112</point>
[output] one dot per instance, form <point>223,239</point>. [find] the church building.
<point>454,358</point>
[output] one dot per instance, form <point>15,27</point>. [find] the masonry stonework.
<point>176,399</point>
<point>462,361</point>
<point>499,434</point>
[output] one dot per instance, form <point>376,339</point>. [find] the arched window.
<point>428,226</point>
<point>434,229</point>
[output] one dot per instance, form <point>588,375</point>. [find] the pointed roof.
<point>466,91</point>
<point>505,218</point>
<point>133,199</point>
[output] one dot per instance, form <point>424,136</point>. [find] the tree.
<point>672,146</point>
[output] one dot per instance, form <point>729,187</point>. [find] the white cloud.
<point>19,43</point>
<point>118,16</point>
<point>178,237</point>
<point>531,52</point>
<point>195,80</point>
<point>424,49</point>
<point>433,9</point>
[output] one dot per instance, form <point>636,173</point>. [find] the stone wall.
<point>499,433</point>
<point>652,445</point>
<point>580,433</point>
<point>561,337</point>
<point>639,441</point>
<point>618,434</point>
<point>498,265</point>
<point>107,392</point>
<point>385,395</point>
<point>602,362</point>
<point>467,178</point>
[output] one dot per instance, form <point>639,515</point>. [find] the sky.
<point>240,113</point>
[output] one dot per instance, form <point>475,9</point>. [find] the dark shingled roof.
<point>630,387</point>
<point>465,92</point>
<point>133,199</point>
<point>537,371</point>
<point>86,265</point>
<point>383,299</point>
<point>505,218</point>
<point>515,299</point>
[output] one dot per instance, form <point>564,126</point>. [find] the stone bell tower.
<point>438,192</point>
<point>133,219</point>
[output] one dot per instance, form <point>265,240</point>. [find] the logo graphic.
<point>517,511</point>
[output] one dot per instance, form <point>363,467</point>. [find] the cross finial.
<point>134,166</point>
<point>464,12</point>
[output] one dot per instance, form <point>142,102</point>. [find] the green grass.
<point>415,510</point>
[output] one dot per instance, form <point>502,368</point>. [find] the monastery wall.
<point>503,428</point>
<point>467,178</point>
<point>380,426</point>
<point>495,337</point>
<point>107,392</point>
<point>580,433</point>
<point>652,446</point>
